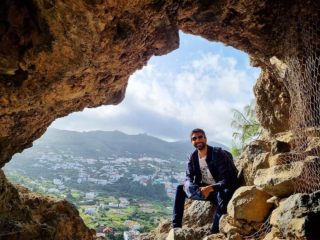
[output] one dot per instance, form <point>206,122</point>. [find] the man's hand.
<point>206,191</point>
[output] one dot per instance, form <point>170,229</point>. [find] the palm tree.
<point>246,126</point>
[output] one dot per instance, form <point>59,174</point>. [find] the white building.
<point>90,195</point>
<point>113,205</point>
<point>124,201</point>
<point>57,181</point>
<point>130,235</point>
<point>53,190</point>
<point>90,210</point>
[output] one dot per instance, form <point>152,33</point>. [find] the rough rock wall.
<point>30,216</point>
<point>57,57</point>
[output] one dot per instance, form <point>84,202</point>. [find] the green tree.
<point>246,128</point>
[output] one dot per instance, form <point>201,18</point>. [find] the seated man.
<point>210,176</point>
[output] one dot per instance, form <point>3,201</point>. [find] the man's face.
<point>198,140</point>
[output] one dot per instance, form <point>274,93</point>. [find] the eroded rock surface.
<point>31,216</point>
<point>281,180</point>
<point>250,204</point>
<point>197,221</point>
<point>298,216</point>
<point>67,55</point>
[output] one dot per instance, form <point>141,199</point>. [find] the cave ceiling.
<point>57,56</point>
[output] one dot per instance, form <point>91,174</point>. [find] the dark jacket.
<point>220,165</point>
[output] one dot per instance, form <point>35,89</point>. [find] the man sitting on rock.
<point>210,176</point>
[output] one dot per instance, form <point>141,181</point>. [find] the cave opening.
<point>58,57</point>
<point>196,85</point>
<point>199,76</point>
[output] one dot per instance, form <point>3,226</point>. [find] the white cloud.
<point>170,103</point>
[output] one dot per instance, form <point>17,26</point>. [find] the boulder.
<point>234,229</point>
<point>185,234</point>
<point>159,233</point>
<point>284,179</point>
<point>298,216</point>
<point>255,156</point>
<point>177,234</point>
<point>37,217</point>
<point>278,180</point>
<point>286,158</point>
<point>198,213</point>
<point>313,148</point>
<point>197,221</point>
<point>218,236</point>
<point>227,225</point>
<point>286,137</point>
<point>274,234</point>
<point>312,132</point>
<point>250,204</point>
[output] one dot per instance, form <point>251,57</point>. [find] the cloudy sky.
<point>197,85</point>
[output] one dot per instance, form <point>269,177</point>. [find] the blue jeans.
<point>220,199</point>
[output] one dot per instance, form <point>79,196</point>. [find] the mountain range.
<point>97,144</point>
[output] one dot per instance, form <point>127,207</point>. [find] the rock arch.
<point>57,57</point>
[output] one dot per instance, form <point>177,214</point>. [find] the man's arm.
<point>190,170</point>
<point>222,165</point>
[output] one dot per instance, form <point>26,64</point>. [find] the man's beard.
<point>200,146</point>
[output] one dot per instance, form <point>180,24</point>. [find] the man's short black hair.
<point>197,130</point>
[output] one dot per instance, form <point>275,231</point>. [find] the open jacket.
<point>220,165</point>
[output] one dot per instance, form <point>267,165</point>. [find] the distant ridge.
<point>106,143</point>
